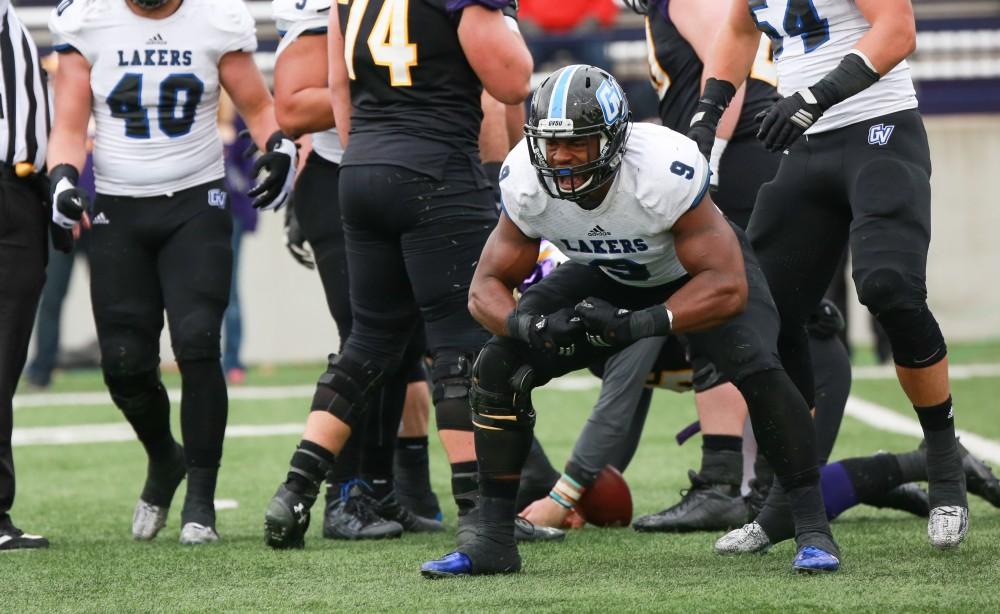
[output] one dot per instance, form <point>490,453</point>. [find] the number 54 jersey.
<point>662,177</point>
<point>809,38</point>
<point>155,85</point>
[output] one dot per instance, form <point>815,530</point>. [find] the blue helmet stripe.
<point>557,103</point>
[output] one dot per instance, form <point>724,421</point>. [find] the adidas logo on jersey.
<point>157,39</point>
<point>879,134</point>
<point>597,231</point>
<point>100,218</point>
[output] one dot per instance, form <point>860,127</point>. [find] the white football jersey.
<point>815,36</point>
<point>155,85</point>
<point>294,18</point>
<point>662,176</point>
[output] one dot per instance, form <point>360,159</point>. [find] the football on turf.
<point>608,501</point>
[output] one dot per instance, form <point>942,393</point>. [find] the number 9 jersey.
<point>155,85</point>
<point>662,176</point>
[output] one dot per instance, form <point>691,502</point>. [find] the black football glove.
<point>557,333</point>
<point>787,119</point>
<point>68,201</point>
<point>278,162</point>
<point>705,121</point>
<point>826,321</point>
<point>611,327</point>
<point>295,239</point>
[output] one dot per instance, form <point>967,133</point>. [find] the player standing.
<point>633,215</point>
<point>150,72</point>
<point>860,176</point>
<point>417,209</point>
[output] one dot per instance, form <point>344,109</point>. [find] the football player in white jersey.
<point>150,72</point>
<point>856,172</point>
<point>361,502</point>
<point>649,254</point>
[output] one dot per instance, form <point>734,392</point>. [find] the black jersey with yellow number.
<point>416,99</point>
<point>675,71</point>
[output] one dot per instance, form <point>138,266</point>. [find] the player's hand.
<point>826,321</point>
<point>557,333</point>
<point>703,134</point>
<point>545,513</point>
<point>611,327</point>
<point>69,203</point>
<point>787,119</point>
<point>278,163</point>
<point>295,239</point>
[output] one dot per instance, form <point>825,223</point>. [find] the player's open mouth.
<point>573,182</point>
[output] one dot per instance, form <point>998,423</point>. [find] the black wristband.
<point>650,322</point>
<point>510,10</point>
<point>713,102</point>
<point>851,76</point>
<point>518,326</point>
<point>64,171</point>
<point>275,139</point>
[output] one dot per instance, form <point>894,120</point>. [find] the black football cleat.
<point>389,508</point>
<point>480,557</point>
<point>287,519</point>
<point>908,497</point>
<point>979,478</point>
<point>354,516</point>
<point>13,538</point>
<point>704,507</point>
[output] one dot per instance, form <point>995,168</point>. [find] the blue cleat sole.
<point>451,565</point>
<point>813,560</point>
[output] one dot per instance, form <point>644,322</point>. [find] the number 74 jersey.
<point>809,38</point>
<point>155,85</point>
<point>662,177</point>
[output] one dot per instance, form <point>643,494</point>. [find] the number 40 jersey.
<point>662,177</point>
<point>155,85</point>
<point>810,38</point>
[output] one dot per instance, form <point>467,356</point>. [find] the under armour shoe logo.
<point>156,39</point>
<point>299,510</point>
<point>879,134</point>
<point>100,218</point>
<point>597,231</point>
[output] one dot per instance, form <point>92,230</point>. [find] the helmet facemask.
<point>597,171</point>
<point>149,4</point>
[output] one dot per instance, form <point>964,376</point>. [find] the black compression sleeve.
<point>713,102</point>
<point>851,76</point>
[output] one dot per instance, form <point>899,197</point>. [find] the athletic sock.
<point>199,503</point>
<point>411,466</point>
<point>944,462</point>
<point>309,464</point>
<point>538,476</point>
<point>871,477</point>
<point>465,485</point>
<point>812,528</point>
<point>150,418</point>
<point>912,466</point>
<point>722,461</point>
<point>381,430</point>
<point>346,468</point>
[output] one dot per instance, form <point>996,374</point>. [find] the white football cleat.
<point>194,534</point>
<point>748,539</point>
<point>947,526</point>
<point>147,520</point>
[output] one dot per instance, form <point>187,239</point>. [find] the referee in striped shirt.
<point>24,221</point>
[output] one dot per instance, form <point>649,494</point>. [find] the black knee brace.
<point>704,375</point>
<point>451,372</point>
<point>501,391</point>
<point>346,387</point>
<point>901,308</point>
<point>138,393</point>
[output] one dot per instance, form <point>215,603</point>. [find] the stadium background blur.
<point>957,72</point>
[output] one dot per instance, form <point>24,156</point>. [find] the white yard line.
<point>872,414</point>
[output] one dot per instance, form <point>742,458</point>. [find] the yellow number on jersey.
<point>389,41</point>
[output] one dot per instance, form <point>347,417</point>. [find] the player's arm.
<point>508,257</point>
<point>340,90</point>
<point>893,33</point>
<point>242,80</point>
<point>496,53</point>
<point>708,249</point>
<point>301,95</point>
<point>728,57</point>
<point>67,148</point>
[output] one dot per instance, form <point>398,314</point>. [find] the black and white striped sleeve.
<point>24,109</point>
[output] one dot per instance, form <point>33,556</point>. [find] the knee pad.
<point>197,336</point>
<point>346,387</point>
<point>901,308</point>
<point>451,373</point>
<point>136,394</point>
<point>501,390</point>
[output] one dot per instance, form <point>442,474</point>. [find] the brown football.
<point>608,501</point>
